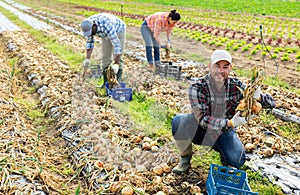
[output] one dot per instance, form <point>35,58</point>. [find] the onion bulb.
<point>256,108</point>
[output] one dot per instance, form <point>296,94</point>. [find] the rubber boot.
<point>119,74</point>
<point>104,78</point>
<point>186,153</point>
<point>183,166</point>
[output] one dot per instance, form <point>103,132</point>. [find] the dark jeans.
<point>151,43</point>
<point>231,149</point>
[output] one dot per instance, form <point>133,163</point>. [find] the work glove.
<point>163,46</point>
<point>257,93</point>
<point>169,45</point>
<point>86,63</point>
<point>237,120</point>
<point>115,68</point>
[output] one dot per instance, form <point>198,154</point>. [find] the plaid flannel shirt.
<point>108,27</point>
<point>158,23</point>
<point>201,98</point>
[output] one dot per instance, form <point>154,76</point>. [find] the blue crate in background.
<point>120,94</point>
<point>225,180</point>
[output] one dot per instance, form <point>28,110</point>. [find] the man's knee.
<point>237,160</point>
<point>175,123</point>
<point>184,126</point>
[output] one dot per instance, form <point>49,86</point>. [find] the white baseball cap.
<point>219,55</point>
<point>86,26</point>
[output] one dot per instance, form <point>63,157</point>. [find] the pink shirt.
<point>158,23</point>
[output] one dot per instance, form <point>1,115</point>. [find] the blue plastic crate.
<point>120,94</point>
<point>225,180</point>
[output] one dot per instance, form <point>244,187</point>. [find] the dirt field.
<point>106,153</point>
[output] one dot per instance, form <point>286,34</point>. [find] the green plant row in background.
<point>261,7</point>
<point>247,22</point>
<point>264,7</point>
<point>280,53</point>
<point>275,30</point>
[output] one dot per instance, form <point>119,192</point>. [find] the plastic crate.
<point>168,70</point>
<point>225,180</point>
<point>121,94</point>
<point>96,71</point>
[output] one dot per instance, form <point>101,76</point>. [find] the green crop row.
<point>247,22</point>
<point>265,7</point>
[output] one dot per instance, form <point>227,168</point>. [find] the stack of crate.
<point>96,71</point>
<point>168,70</point>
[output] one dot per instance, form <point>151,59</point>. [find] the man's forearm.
<point>197,113</point>
<point>117,58</point>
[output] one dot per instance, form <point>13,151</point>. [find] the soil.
<point>180,45</point>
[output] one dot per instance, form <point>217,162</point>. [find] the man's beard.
<point>219,78</point>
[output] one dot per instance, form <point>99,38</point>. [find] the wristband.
<point>230,123</point>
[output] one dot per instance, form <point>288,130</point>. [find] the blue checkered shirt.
<point>108,27</point>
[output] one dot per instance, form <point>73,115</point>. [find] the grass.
<point>13,61</point>
<point>147,115</point>
<point>195,57</point>
<point>204,156</point>
<point>66,54</point>
<point>261,185</point>
<point>285,129</point>
<point>11,74</point>
<point>35,114</point>
<point>32,111</point>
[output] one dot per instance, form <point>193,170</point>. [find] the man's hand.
<point>115,68</point>
<point>86,63</point>
<point>237,120</point>
<point>257,93</point>
<point>169,45</point>
<point>163,46</point>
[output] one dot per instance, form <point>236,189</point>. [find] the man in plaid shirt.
<point>112,31</point>
<point>212,122</point>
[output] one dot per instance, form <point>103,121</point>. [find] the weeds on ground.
<point>147,114</point>
<point>285,129</point>
<point>261,185</point>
